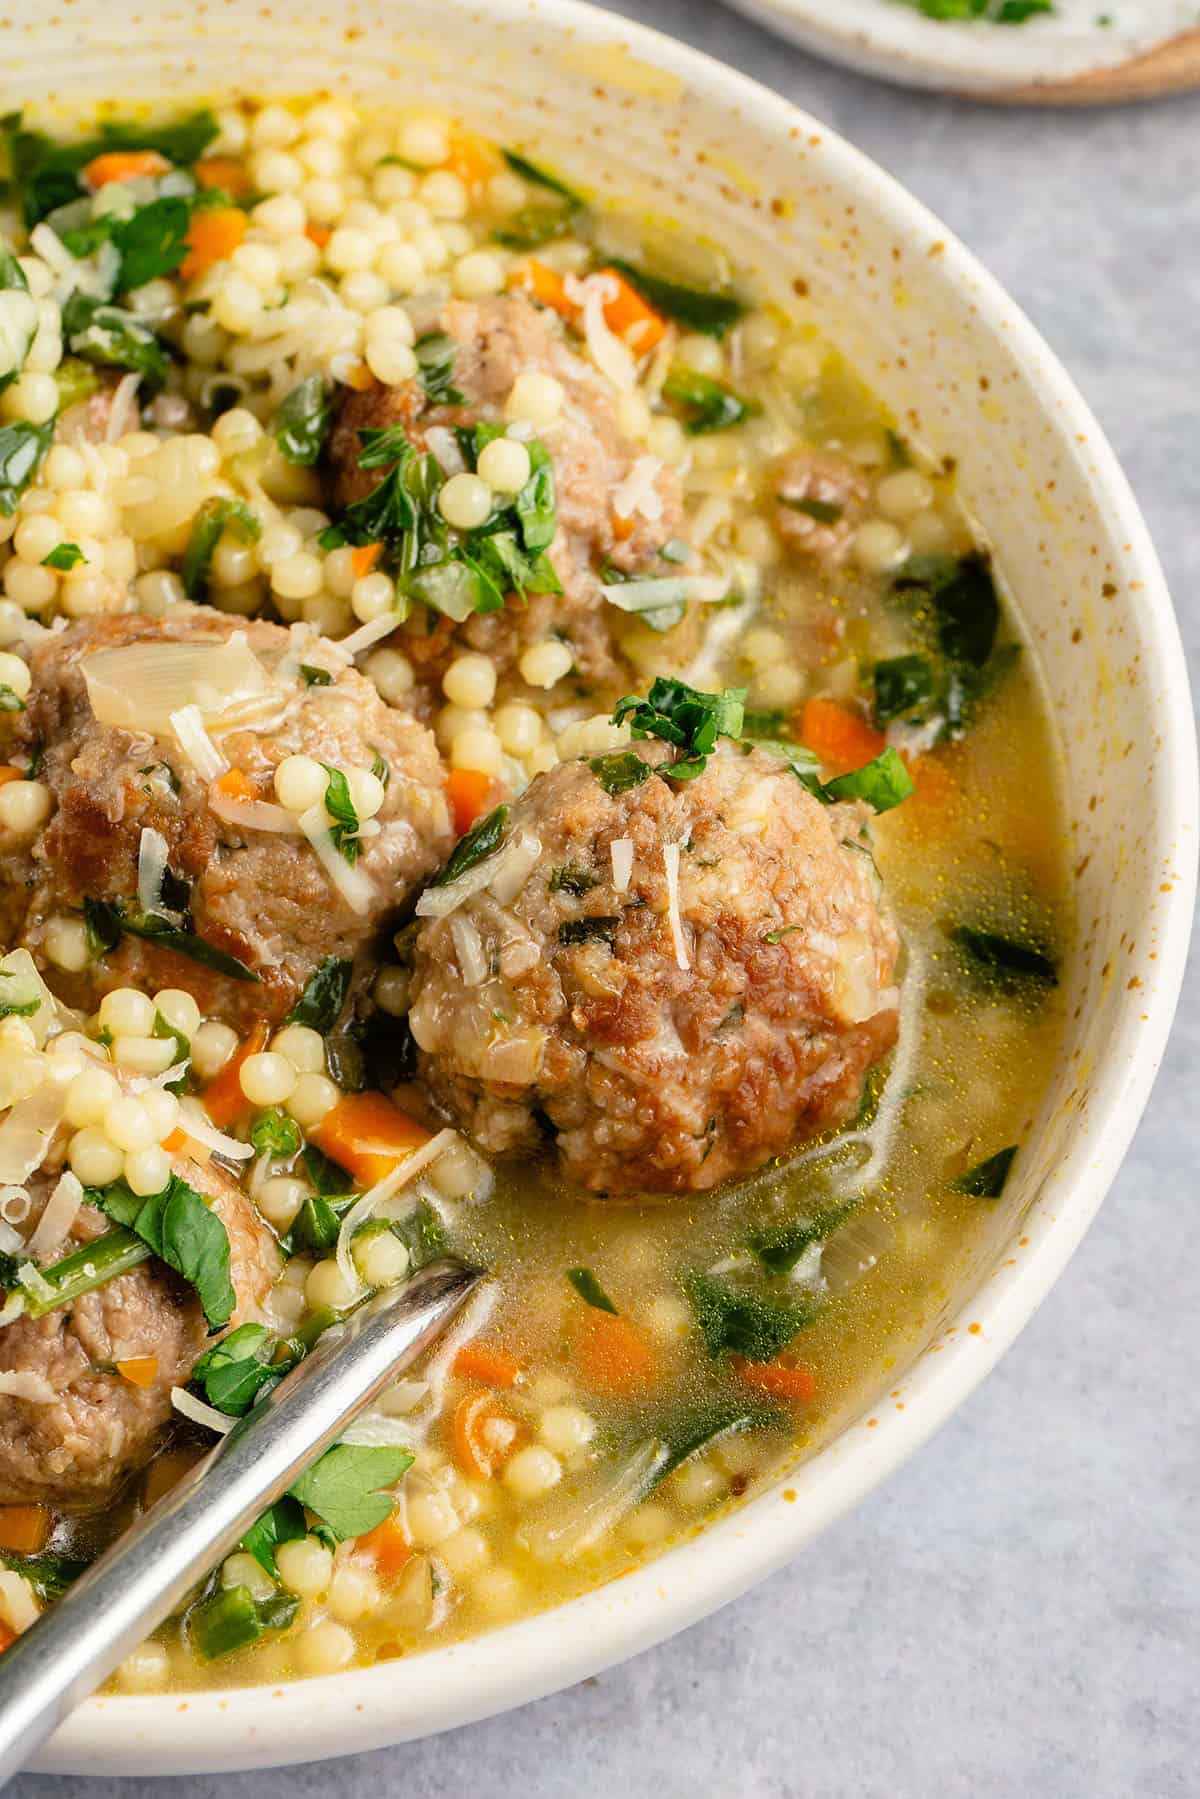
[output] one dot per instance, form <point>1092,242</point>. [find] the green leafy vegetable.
<point>709,405</point>
<point>1004,958</point>
<point>153,241</point>
<point>345,1487</point>
<point>48,1575</point>
<point>64,556</point>
<point>284,1522</point>
<point>540,177</point>
<point>961,598</point>
<point>316,1225</point>
<point>587,930</point>
<point>700,309</point>
<point>538,223</point>
<point>748,1324</point>
<point>825,512</point>
<point>76,381</point>
<point>590,1290</point>
<point>183,1232</point>
<point>618,772</point>
<point>22,449</point>
<point>986,1180</point>
<point>480,842</point>
<point>687,719</point>
<point>10,699</point>
<point>422,1233</point>
<point>329,1178</point>
<point>86,1269</point>
<point>780,1248</point>
<point>325,993</point>
<point>107,921</point>
<point>693,1431</point>
<point>341,809</point>
<point>315,677</point>
<point>213,519</point>
<point>114,338</point>
<point>904,686</point>
<point>46,174</point>
<point>570,878</point>
<point>273,1133</point>
<point>303,421</point>
<point>996,12</point>
<point>883,783</point>
<point>236,1372</point>
<point>230,1617</point>
<point>12,275</point>
<point>436,353</point>
<point>183,1049</point>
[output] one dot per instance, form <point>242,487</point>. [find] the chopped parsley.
<point>987,1179</point>
<point>213,519</point>
<point>64,556</point>
<point>590,1290</point>
<point>588,930</point>
<point>481,841</point>
<point>273,1133</point>
<point>341,809</point>
<point>303,421</point>
<point>708,405</point>
<point>690,721</point>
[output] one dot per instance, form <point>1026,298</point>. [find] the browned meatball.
<point>668,1048</point>
<point>821,501</point>
<point>497,340</point>
<point>74,1449</point>
<point>260,896</point>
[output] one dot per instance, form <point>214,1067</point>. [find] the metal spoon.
<point>149,1571</point>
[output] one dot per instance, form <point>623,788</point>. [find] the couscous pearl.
<point>330,616</point>
<point>497,1591</point>
<point>162,1109</point>
<point>391,991</point>
<point>879,547</point>
<point>518,727</point>
<point>381,1259</point>
<point>372,596</point>
<point>306,1566</point>
<point>89,1097</point>
<point>352,1594</point>
<point>236,431</point>
<point>236,304</point>
<point>311,1098</point>
<point>144,1055</point>
<point>704,354</point>
<point>477,749</point>
<point>444,194</point>
<point>280,215</point>
<point>33,397</point>
<point>424,141</point>
<point>367,791</point>
<point>465,502</point>
<point>277,170</point>
<point>298,257</point>
<point>94,1157</point>
<point>390,322</point>
<point>563,1428</point>
<point>536,397</point>
<point>781,686</point>
<point>300,782</point>
<point>303,1047</point>
<point>465,1553</point>
<point>697,1484</point>
<point>31,587</point>
<point>430,246</point>
<point>147,1171</point>
<point>321,157</point>
<point>348,249</point>
<point>340,577</point>
<point>477,275</point>
<point>754,537</point>
<point>65,942</point>
<point>504,464</point>
<point>267,1079</point>
<point>326,1287</point>
<point>458,239</point>
<point>212,1047</point>
<point>233,563</point>
<point>470,681</point>
<point>532,1472</point>
<point>402,267</point>
<point>928,533</point>
<point>363,290</point>
<point>392,674</point>
<point>146,1670</point>
<point>35,537</point>
<point>64,469</point>
<point>280,1198</point>
<point>323,199</point>
<point>904,494</point>
<point>179,1009</point>
<point>275,125</point>
<point>648,1525</point>
<point>390,361</point>
<point>297,577</point>
<point>127,1124</point>
<point>544,664</point>
<point>324,1648</point>
<point>242,1570</point>
<point>158,591</point>
<point>452,720</point>
<point>12,619</point>
<point>668,441</point>
<point>127,1013</point>
<point>431,1519</point>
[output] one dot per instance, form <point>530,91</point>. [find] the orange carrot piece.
<point>139,1370</point>
<point>472,159</point>
<point>223,1097</point>
<point>123,165</point>
<point>25,1529</point>
<point>487,1363</point>
<point>483,1435</point>
<point>9,773</point>
<point>467,790</point>
<point>318,234</point>
<point>175,1142</point>
<point>388,1546</point>
<point>360,378</point>
<point>213,235</point>
<point>790,1381</point>
<point>363,558</point>
<point>367,1135</point>
<point>224,172</point>
<point>8,1636</point>
<point>613,1355</point>
<point>234,784</point>
<point>631,317</point>
<point>543,284</point>
<point>841,738</point>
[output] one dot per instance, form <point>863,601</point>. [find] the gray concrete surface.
<point>1016,1613</point>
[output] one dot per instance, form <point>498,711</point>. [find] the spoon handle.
<point>149,1570</point>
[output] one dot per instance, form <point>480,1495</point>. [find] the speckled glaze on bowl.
<point>821,229</point>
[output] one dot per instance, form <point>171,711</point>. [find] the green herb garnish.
<point>107,921</point>
<point>22,449</point>
<point>744,1323</point>
<point>325,992</point>
<point>273,1133</point>
<point>481,841</point>
<point>183,1232</point>
<point>303,421</point>
<point>620,771</point>
<point>64,556</point>
<point>700,309</point>
<point>212,520</point>
<point>588,930</point>
<point>345,1487</point>
<point>590,1290</point>
<point>687,719</point>
<point>986,1180</point>
<point>1004,958</point>
<point>709,405</point>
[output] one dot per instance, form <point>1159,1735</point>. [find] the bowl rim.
<point>364,1709</point>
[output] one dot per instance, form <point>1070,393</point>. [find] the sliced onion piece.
<point>665,590</point>
<point>366,635</point>
<point>610,355</point>
<point>34,1388</point>
<point>61,1211</point>
<point>671,868</point>
<point>26,1132</point>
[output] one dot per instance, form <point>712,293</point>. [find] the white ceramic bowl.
<point>687,140</point>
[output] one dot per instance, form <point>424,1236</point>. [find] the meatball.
<point>821,501</point>
<point>261,896</point>
<point>667,1047</point>
<point>496,340</point>
<point>73,1450</point>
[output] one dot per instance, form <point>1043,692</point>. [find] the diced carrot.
<point>123,165</point>
<point>25,1529</point>
<point>388,1546</point>
<point>483,1434</point>
<point>485,1362</point>
<point>467,790</point>
<point>363,558</point>
<point>8,1636</point>
<point>791,1381</point>
<point>139,1371</point>
<point>234,784</point>
<point>9,773</point>
<point>175,1141</point>
<point>631,317</point>
<point>621,527</point>
<point>224,172</point>
<point>367,1135</point>
<point>843,739</point>
<point>223,1097</point>
<point>472,159</point>
<point>543,284</point>
<point>360,378</point>
<point>318,234</point>
<point>613,1354</point>
<point>213,235</point>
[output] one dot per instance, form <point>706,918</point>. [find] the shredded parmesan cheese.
<point>621,851</point>
<point>208,1134</point>
<point>355,887</point>
<point>671,868</point>
<point>196,743</point>
<point>122,415</point>
<point>33,1387</point>
<point>152,866</point>
<point>253,815</point>
<point>366,635</point>
<point>610,355</point>
<point>637,494</point>
<point>199,1413</point>
<point>55,1223</point>
<point>442,441</point>
<point>468,946</point>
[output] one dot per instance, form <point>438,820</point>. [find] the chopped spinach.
<point>569,877</point>
<point>1005,959</point>
<point>618,772</point>
<point>315,677</point>
<point>590,1290</point>
<point>708,405</point>
<point>883,783</point>
<point>687,719</point>
<point>781,1247</point>
<point>10,699</point>
<point>330,1179</point>
<point>107,921</point>
<point>153,241</point>
<point>237,1371</point>
<point>540,177</point>
<point>960,597</point>
<point>825,512</point>
<point>22,449</point>
<point>183,1232</point>
<point>700,309</point>
<point>213,519</point>
<point>539,222</point>
<point>284,1522</point>
<point>740,1322</point>
<point>64,556</point>
<point>325,993</point>
<point>113,338</point>
<point>49,1575</point>
<point>587,930</point>
<point>436,353</point>
<point>422,1233</point>
<point>46,174</point>
<point>480,842</point>
<point>986,1180</point>
<point>229,1618</point>
<point>303,421</point>
<point>904,686</point>
<point>317,1224</point>
<point>341,809</point>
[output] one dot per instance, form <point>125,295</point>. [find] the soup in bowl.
<point>516,742</point>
